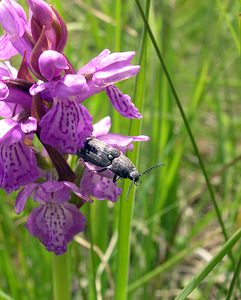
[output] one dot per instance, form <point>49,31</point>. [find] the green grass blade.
<point>230,26</point>
<point>4,296</point>
<point>61,277</point>
<point>160,269</point>
<point>234,279</point>
<point>209,267</point>
<point>92,294</point>
<point>118,30</point>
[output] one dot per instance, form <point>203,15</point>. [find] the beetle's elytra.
<point>109,158</point>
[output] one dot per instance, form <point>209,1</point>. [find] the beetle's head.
<point>134,176</point>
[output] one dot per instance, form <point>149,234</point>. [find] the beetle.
<point>110,158</point>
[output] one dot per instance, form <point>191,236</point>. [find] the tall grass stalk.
<point>61,277</point>
<point>127,205</point>
<point>235,278</point>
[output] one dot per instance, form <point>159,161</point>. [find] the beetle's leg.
<point>115,178</point>
<point>98,171</point>
<point>101,170</point>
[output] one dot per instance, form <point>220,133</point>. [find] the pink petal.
<point>10,132</point>
<point>6,48</point>
<point>90,67</point>
<point>110,76</point>
<point>12,18</point>
<point>52,190</point>
<point>123,142</point>
<point>116,58</point>
<point>4,91</point>
<point>102,127</point>
<point>23,196</point>
<point>99,186</point>
<point>51,64</point>
<point>122,103</point>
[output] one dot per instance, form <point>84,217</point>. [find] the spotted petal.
<point>18,166</point>
<point>66,126</point>
<point>122,103</point>
<point>55,225</point>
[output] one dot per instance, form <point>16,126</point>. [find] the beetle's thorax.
<point>124,168</point>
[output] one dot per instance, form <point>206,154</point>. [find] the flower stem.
<point>61,277</point>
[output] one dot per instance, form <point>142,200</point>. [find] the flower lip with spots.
<point>55,221</point>
<point>18,165</point>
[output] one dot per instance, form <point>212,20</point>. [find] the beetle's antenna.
<point>130,187</point>
<point>143,173</point>
<point>158,165</point>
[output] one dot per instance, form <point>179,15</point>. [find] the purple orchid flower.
<point>101,185</point>
<point>55,222</point>
<point>18,165</point>
<point>51,64</point>
<point>98,75</point>
<point>52,109</point>
<point>105,70</point>
<point>68,123</point>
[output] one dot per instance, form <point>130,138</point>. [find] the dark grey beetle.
<point>109,158</point>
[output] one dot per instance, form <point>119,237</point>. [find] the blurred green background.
<point>174,231</point>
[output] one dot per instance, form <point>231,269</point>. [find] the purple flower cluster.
<point>49,108</point>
